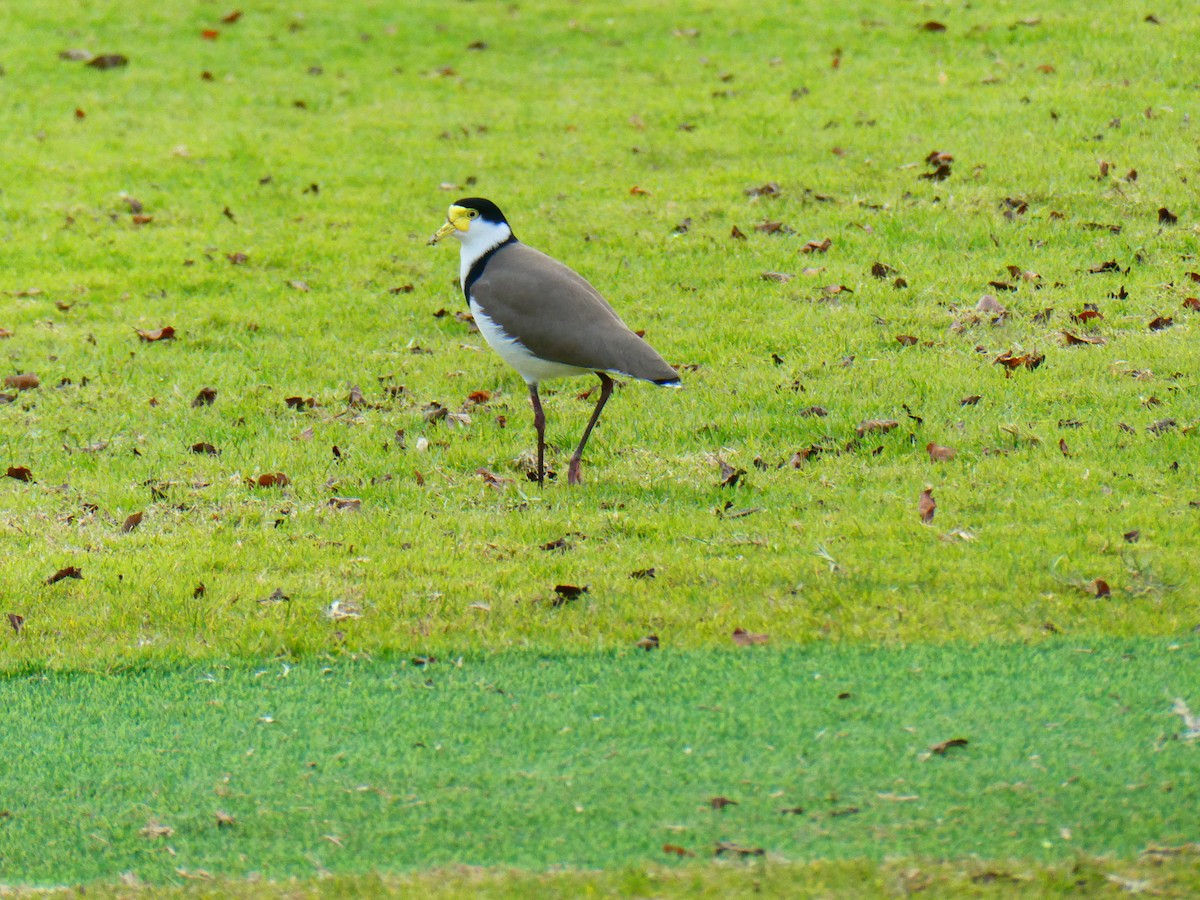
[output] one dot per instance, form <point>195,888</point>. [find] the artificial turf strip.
<point>597,760</point>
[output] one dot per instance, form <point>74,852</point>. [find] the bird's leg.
<point>539,422</point>
<point>606,388</point>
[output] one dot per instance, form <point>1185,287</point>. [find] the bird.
<point>543,318</point>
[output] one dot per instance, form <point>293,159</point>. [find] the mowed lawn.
<point>589,762</point>
<point>891,250</point>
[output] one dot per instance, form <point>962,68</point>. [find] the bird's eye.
<point>472,214</point>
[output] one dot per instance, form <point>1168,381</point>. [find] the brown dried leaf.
<point>926,506</point>
<point>67,572</point>
<point>205,397</point>
<point>132,522</point>
<point>1192,303</point>
<point>16,622</point>
<point>721,802</point>
<point>723,847</point>
<point>907,340</point>
<point>108,61</point>
<point>271,479</point>
<point>818,411</point>
<point>1109,266</point>
<point>817,246</point>
<point>872,426</point>
<point>938,453</point>
<point>345,503</point>
<point>744,638</point>
<point>970,401</point>
<point>20,473</point>
<point>166,333</point>
<point>1073,339</point>
<point>729,475</point>
<point>155,829</point>
<point>1098,588</point>
<point>933,26</point>
<point>737,234</point>
<point>1161,322</point>
<point>988,303</point>
<point>205,448</point>
<point>1063,448</point>
<point>568,592</point>
<point>648,643</point>
<point>940,749</point>
<point>642,574</point>
<point>882,270</point>
<point>237,259</point>
<point>780,277</point>
<point>674,850</point>
<point>770,189</point>
<point>24,382</point>
<point>1166,217</point>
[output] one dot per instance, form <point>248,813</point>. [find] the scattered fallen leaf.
<point>20,473</point>
<point>205,448</point>
<point>642,574</point>
<point>729,475</point>
<point>1192,303</point>
<point>108,61</point>
<point>166,333</point>
<point>1063,448</point>
<point>1071,339</point>
<point>938,453</point>
<point>1166,217</point>
<point>933,26</point>
<point>744,638</point>
<point>941,748</point>
<point>345,503</point>
<point>16,622</point>
<point>649,642</point>
<point>1161,322</point>
<point>567,593</point>
<point>817,246</point>
<point>155,829</point>
<point>271,479</point>
<point>872,426</point>
<point>68,572</point>
<point>1098,588</point>
<point>237,259</point>
<point>132,521</point>
<point>205,397</point>
<point>779,277</point>
<point>737,234</point>
<point>770,189</point>
<point>723,847</point>
<point>1162,426</point>
<point>721,802</point>
<point>674,850</point>
<point>1132,537</point>
<point>639,191</point>
<point>1109,266</point>
<point>24,382</point>
<point>970,401</point>
<point>926,506</point>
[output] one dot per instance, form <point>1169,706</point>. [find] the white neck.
<point>476,241</point>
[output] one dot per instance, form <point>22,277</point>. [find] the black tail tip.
<point>668,382</point>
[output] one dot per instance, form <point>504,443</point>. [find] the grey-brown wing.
<point>558,316</point>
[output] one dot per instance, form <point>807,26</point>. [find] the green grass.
<point>324,143</point>
<point>597,761</point>
<point>556,93</point>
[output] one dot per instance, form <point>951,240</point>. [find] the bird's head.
<point>476,222</point>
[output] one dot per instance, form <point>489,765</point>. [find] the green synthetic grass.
<point>597,761</point>
<point>561,114</point>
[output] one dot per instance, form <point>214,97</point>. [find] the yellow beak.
<point>458,218</point>
<point>441,233</point>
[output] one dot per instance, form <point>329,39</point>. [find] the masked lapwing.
<point>543,318</point>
